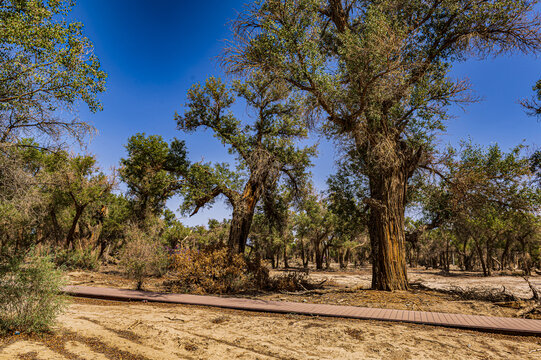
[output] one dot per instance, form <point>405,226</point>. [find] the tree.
<point>376,72</point>
<point>23,209</point>
<point>487,201</point>
<point>46,65</point>
<point>533,105</point>
<point>81,182</point>
<point>346,194</point>
<point>265,149</point>
<point>275,223</point>
<point>153,171</point>
<point>316,222</point>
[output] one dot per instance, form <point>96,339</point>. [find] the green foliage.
<point>153,171</point>
<point>535,166</point>
<point>23,209</point>
<point>143,255</point>
<point>265,149</point>
<point>347,190</point>
<point>46,64</point>
<point>266,146</point>
<point>77,259</point>
<point>31,296</point>
<point>487,201</point>
<point>114,224</point>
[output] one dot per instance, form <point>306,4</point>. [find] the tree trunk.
<point>243,213</point>
<point>286,264</point>
<point>304,258</point>
<point>71,233</point>
<point>57,230</point>
<point>318,253</point>
<point>386,229</point>
<point>482,259</point>
<point>489,262</point>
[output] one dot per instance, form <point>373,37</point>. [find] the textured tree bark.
<point>243,213</point>
<point>386,229</point>
<point>239,231</point>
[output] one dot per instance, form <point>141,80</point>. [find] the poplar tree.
<point>376,73</point>
<point>265,147</point>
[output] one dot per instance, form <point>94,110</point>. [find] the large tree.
<point>46,65</point>
<point>265,148</point>
<point>376,72</point>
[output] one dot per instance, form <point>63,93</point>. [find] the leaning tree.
<point>265,148</point>
<point>377,73</point>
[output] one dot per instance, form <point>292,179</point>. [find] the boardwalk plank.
<point>499,324</point>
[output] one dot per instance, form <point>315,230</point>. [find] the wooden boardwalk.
<point>485,323</point>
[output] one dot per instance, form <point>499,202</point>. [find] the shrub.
<point>143,255</point>
<point>30,297</point>
<point>210,270</point>
<point>214,269</point>
<point>291,281</point>
<point>85,259</point>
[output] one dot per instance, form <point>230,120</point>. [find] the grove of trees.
<point>373,76</point>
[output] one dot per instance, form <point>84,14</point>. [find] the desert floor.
<point>96,329</point>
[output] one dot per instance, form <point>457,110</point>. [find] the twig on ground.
<point>174,319</point>
<point>137,322</point>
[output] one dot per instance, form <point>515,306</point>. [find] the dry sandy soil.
<point>94,329</point>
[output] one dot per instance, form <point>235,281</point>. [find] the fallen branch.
<point>535,292</point>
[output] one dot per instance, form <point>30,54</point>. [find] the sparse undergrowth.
<point>77,258</point>
<point>142,256</point>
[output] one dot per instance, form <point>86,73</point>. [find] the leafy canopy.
<point>46,65</point>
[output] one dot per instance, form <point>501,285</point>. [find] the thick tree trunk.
<point>239,231</point>
<point>243,213</point>
<point>386,229</point>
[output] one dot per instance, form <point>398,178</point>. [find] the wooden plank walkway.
<point>485,323</point>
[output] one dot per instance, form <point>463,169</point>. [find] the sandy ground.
<point>352,278</point>
<point>435,279</point>
<point>94,329</point>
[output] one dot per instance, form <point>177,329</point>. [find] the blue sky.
<point>154,51</point>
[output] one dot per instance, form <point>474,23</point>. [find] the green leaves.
<point>46,64</point>
<point>153,171</point>
<point>265,147</point>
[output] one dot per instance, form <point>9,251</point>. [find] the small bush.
<point>291,281</point>
<point>84,259</point>
<point>143,255</point>
<point>30,297</point>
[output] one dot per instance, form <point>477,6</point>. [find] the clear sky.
<point>153,51</point>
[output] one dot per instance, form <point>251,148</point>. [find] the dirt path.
<point>93,329</point>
